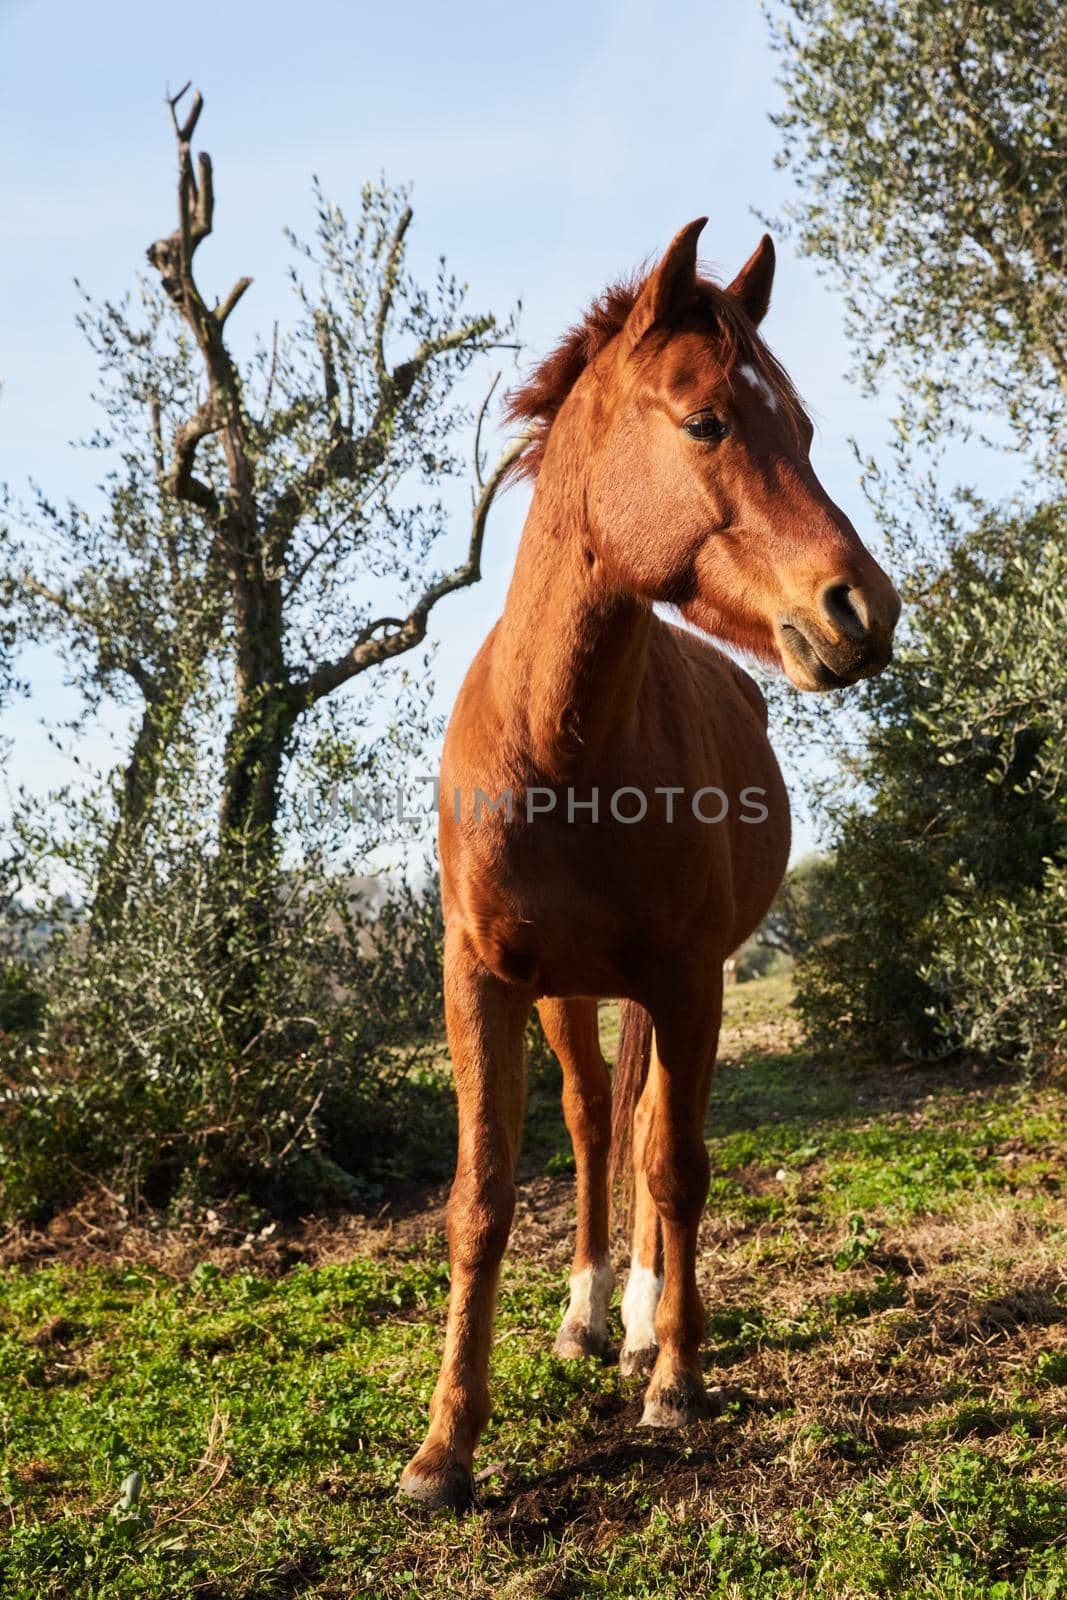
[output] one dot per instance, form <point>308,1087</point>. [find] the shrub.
<point>131,1077</point>
<point>21,997</point>
<point>756,960</point>
<point>943,922</point>
<point>1000,970</point>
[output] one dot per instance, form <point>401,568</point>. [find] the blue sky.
<point>551,148</point>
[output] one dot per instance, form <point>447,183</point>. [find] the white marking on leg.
<point>590,1297</point>
<point>639,1303</point>
<point>760,384</point>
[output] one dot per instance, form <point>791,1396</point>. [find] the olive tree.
<point>253,590</point>
<point>268,528</point>
<point>300,500</point>
<point>928,139</point>
<point>927,144</point>
<point>130,593</point>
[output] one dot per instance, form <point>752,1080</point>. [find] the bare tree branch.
<point>368,651</point>
<point>324,339</point>
<point>270,375</point>
<point>438,347</point>
<point>180,480</point>
<point>347,459</point>
<point>390,279</point>
<point>478,434</point>
<point>222,311</point>
<point>155,417</point>
<point>186,129</point>
<point>172,257</point>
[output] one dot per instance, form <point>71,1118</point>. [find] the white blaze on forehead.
<point>760,384</point>
<point>639,1303</point>
<point>590,1297</point>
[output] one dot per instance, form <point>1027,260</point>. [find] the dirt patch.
<point>712,1468</point>
<point>100,1232</point>
<point>799,1424</point>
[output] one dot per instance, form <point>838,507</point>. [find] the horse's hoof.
<point>448,1487</point>
<point>575,1342</point>
<point>638,1363</point>
<point>680,1403</point>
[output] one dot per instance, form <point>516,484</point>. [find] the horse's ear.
<point>752,286</point>
<point>668,291</point>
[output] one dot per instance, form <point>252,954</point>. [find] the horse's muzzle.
<point>847,641</point>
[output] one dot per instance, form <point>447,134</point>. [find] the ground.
<point>884,1266</point>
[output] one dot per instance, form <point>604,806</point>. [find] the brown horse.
<point>613,821</point>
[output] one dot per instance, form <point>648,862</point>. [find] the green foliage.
<point>220,1014</point>
<point>1000,970</point>
<point>782,1116</point>
<point>945,903</point>
<point>756,960</point>
<point>859,1243</point>
<point>21,997</point>
<point>799,916</point>
<point>235,1390</point>
<point>132,1078</point>
<point>927,140</point>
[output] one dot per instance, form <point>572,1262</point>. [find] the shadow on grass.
<point>766,1089</point>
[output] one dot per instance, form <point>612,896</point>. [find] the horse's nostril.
<point>846,609</point>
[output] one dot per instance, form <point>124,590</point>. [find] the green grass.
<point>883,1269</point>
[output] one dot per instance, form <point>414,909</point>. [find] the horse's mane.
<point>537,403</point>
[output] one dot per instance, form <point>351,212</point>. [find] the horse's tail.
<point>628,1080</point>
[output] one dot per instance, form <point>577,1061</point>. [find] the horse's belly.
<point>597,909</point>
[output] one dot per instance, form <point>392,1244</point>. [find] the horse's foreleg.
<point>485,1021</point>
<point>676,1169</point>
<point>644,1285</point>
<point>571,1029</point>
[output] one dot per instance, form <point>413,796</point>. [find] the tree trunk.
<point>136,797</point>
<point>257,746</point>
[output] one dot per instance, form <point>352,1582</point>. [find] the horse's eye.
<point>705,425</point>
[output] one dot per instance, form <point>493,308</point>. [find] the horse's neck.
<point>570,654</point>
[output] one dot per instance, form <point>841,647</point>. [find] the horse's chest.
<point>672,854</point>
<point>576,906</point>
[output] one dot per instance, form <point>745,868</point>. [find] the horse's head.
<point>696,476</point>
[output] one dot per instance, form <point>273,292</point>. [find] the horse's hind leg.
<point>571,1029</point>
<point>486,1019</point>
<point>644,1284</point>
<point>676,1168</point>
